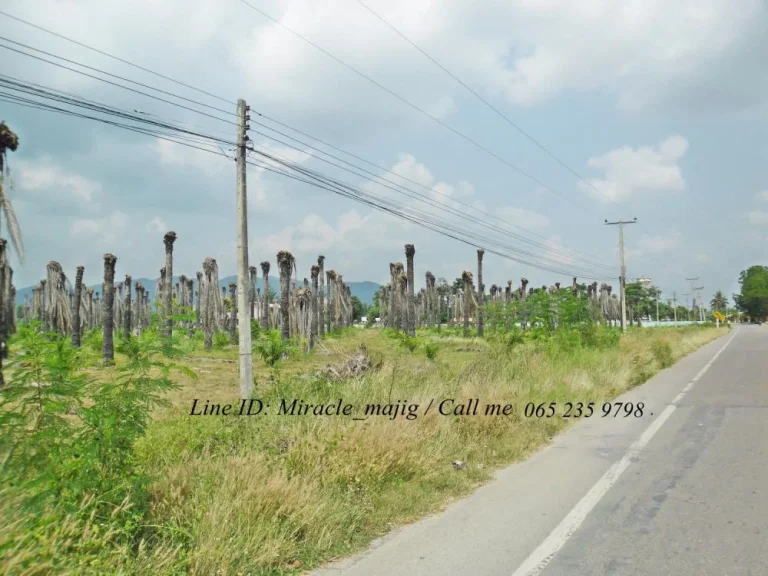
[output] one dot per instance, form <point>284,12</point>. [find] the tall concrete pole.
<point>693,295</point>
<point>243,317</point>
<point>623,277</point>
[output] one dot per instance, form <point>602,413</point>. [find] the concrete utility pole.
<point>693,295</point>
<point>623,277</point>
<point>243,317</point>
<point>701,308</point>
<point>686,305</point>
<point>674,305</point>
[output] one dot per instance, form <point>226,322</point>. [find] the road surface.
<point>682,492</point>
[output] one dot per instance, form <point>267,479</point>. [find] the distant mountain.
<point>363,290</point>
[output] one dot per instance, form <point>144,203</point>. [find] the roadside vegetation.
<point>103,470</point>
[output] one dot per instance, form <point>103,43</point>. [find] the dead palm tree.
<point>57,300</point>
<point>9,141</point>
<point>285,263</point>
<point>321,295</point>
<point>210,301</point>
<point>467,277</point>
<point>331,277</point>
<point>78,297</point>
<point>128,314</point>
<point>410,251</point>
<point>108,347</point>
<point>480,293</point>
<point>199,295</point>
<point>233,313</point>
<point>314,273</point>
<point>168,240</point>
<point>265,280</point>
<point>253,296</point>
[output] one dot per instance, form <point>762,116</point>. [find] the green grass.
<point>275,495</point>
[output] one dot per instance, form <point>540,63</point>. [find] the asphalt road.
<point>682,492</point>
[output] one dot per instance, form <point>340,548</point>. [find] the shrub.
<point>271,347</point>
<point>220,339</point>
<point>662,352</point>
<point>431,349</point>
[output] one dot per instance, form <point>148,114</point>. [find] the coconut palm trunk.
<point>252,296</point>
<point>285,263</point>
<point>393,295</point>
<point>77,328</point>
<point>321,295</point>
<point>210,301</point>
<point>128,313</point>
<point>480,294</point>
<point>410,251</point>
<point>233,313</point>
<point>265,279</point>
<point>108,347</point>
<point>168,240</point>
<point>315,272</point>
<point>467,277</point>
<point>331,277</point>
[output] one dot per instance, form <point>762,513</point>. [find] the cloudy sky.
<point>659,107</point>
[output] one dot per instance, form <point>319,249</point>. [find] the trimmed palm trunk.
<point>480,294</point>
<point>284,263</point>
<point>211,303</point>
<point>128,314</point>
<point>410,251</point>
<point>233,313</point>
<point>315,272</point>
<point>467,277</point>
<point>331,277</point>
<point>199,295</point>
<point>265,280</point>
<point>78,296</point>
<point>252,275</point>
<point>168,240</point>
<point>108,315</point>
<point>321,295</point>
<point>392,321</point>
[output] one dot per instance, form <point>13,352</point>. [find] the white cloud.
<point>157,224</point>
<point>761,196</point>
<point>46,175</point>
<point>108,232</point>
<point>630,171</point>
<point>757,217</point>
<point>523,218</point>
<point>653,245</point>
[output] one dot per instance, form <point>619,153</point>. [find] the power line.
<point>325,182</point>
<point>415,107</point>
<point>266,117</point>
<point>478,96</point>
<point>421,198</point>
<point>584,257</point>
<point>115,84</point>
<point>117,58</point>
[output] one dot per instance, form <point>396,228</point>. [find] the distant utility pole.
<point>657,306</point>
<point>693,295</point>
<point>701,308</point>
<point>674,305</point>
<point>623,277</point>
<point>243,315</point>
<point>686,306</point>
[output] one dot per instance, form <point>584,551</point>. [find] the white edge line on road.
<point>540,557</point>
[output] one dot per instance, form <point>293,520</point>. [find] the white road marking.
<point>542,556</point>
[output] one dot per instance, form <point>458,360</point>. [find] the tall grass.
<point>175,494</point>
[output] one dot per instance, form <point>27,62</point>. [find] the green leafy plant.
<point>271,347</point>
<point>431,349</point>
<point>220,339</point>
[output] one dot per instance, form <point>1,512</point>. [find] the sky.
<point>658,107</point>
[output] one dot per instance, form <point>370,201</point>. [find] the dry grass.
<point>278,494</point>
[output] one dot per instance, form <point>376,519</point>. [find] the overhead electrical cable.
<point>417,108</point>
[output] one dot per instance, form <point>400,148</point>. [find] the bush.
<point>271,347</point>
<point>67,443</point>
<point>662,352</point>
<point>220,339</point>
<point>431,349</point>
<point>255,329</point>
